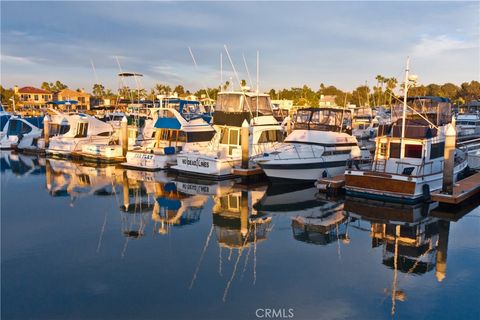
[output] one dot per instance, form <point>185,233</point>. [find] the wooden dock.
<point>462,190</point>
<point>335,183</point>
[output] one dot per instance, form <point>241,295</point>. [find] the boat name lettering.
<point>196,163</point>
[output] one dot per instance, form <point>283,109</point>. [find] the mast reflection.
<point>412,241</point>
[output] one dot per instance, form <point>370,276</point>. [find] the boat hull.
<point>394,187</point>
<point>197,164</point>
<point>304,171</point>
<point>148,161</point>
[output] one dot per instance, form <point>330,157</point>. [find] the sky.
<point>335,43</point>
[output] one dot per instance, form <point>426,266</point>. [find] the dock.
<point>333,184</point>
<point>462,190</point>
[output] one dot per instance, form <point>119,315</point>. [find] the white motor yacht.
<point>21,133</point>
<point>175,130</point>
<point>82,130</point>
<point>319,146</point>
<point>223,153</point>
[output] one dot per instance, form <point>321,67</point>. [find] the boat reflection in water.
<point>413,241</point>
<point>21,164</point>
<point>238,227</point>
<point>316,218</point>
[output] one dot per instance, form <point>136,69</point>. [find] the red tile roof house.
<point>32,97</point>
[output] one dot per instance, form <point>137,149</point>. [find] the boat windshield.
<point>228,103</point>
<point>262,104</point>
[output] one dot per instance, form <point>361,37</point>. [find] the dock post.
<point>442,247</point>
<point>126,195</point>
<point>289,125</point>
<point>244,213</point>
<point>449,158</point>
<point>124,135</point>
<point>46,130</point>
<point>244,142</point>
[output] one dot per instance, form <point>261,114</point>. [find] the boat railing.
<point>293,151</point>
<point>408,168</point>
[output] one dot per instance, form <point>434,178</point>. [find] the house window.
<point>36,97</point>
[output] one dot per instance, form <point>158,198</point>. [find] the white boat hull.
<point>148,161</point>
<point>206,166</point>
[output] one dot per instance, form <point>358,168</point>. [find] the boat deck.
<point>462,190</point>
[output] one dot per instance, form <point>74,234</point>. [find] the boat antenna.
<point>196,68</point>
<point>246,67</point>
<point>404,111</point>
<point>221,71</point>
<point>238,79</point>
<point>94,71</point>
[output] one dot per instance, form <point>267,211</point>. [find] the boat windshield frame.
<point>323,119</point>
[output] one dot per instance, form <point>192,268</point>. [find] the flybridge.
<point>232,108</point>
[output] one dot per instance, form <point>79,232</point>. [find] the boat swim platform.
<point>462,190</point>
<point>254,171</point>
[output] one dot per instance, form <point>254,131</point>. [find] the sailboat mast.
<point>258,66</point>
<point>404,112</point>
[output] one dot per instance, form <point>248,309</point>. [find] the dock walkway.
<point>462,190</point>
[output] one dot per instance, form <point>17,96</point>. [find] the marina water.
<point>110,243</point>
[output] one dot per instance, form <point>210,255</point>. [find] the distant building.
<point>327,101</point>
<point>81,97</point>
<point>282,104</point>
<point>32,97</point>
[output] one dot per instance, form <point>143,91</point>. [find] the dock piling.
<point>124,135</point>
<point>244,142</point>
<point>46,130</point>
<point>449,155</point>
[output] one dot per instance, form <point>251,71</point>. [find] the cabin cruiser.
<point>468,124</point>
<point>21,133</point>
<point>82,130</point>
<point>233,109</point>
<point>409,157</point>
<point>364,123</point>
<point>175,130</point>
<point>319,146</point>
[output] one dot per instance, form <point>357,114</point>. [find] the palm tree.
<point>391,85</point>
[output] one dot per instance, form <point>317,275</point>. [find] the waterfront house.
<point>82,98</point>
<point>31,97</point>
<point>327,101</point>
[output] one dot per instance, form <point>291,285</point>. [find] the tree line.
<point>381,93</point>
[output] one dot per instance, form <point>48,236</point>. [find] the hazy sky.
<point>342,43</point>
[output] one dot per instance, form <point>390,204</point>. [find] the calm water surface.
<point>81,242</point>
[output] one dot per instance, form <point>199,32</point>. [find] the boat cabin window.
<point>395,150</point>
<point>200,136</point>
<point>17,127</point>
<point>303,116</point>
<point>270,136</point>
<point>231,137</point>
<point>437,150</point>
<point>104,134</point>
<point>82,129</point>
<point>171,136</point>
<point>228,103</point>
<point>262,104</point>
<point>413,151</point>
<point>53,129</point>
<point>382,149</point>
